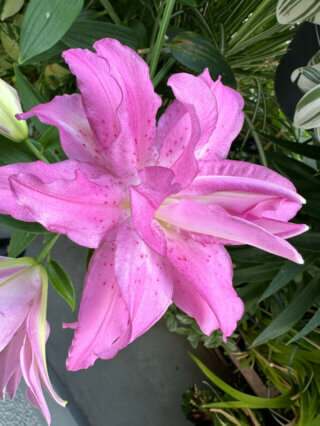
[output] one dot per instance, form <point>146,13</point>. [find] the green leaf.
<point>190,3</point>
<point>84,34</point>
<point>10,39</point>
<point>299,148</point>
<point>29,97</point>
<point>291,11</point>
<point>53,53</point>
<point>306,77</point>
<point>44,23</point>
<point>307,242</point>
<point>61,282</point>
<point>287,273</point>
<point>10,8</point>
<point>19,241</point>
<point>11,153</point>
<point>243,399</point>
<point>50,139</point>
<point>307,113</point>
<point>32,227</point>
<point>259,273</point>
<point>196,53</point>
<point>311,325</point>
<point>292,313</point>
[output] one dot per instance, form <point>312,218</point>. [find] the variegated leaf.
<point>307,113</point>
<point>315,59</point>
<point>290,11</point>
<point>306,77</point>
<point>317,134</point>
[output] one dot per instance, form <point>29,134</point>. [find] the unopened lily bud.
<point>10,105</point>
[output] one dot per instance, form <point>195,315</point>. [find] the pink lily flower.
<point>23,331</point>
<point>157,202</point>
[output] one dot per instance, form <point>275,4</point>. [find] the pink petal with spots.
<point>139,105</point>
<point>103,324</point>
<point>208,271</point>
<point>215,221</point>
<point>230,121</point>
<point>146,198</point>
<point>76,207</point>
<point>144,278</point>
<point>67,114</point>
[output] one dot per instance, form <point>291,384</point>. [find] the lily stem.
<point>47,248</point>
<point>262,155</point>
<point>112,13</point>
<point>161,35</point>
<point>35,151</point>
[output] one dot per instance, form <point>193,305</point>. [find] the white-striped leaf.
<point>306,77</point>
<point>290,11</point>
<point>317,134</point>
<point>315,59</point>
<point>307,113</point>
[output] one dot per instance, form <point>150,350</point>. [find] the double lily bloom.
<point>23,331</point>
<point>158,202</point>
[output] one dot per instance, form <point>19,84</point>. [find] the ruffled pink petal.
<point>139,105</point>
<point>10,364</point>
<point>156,185</point>
<point>214,220</point>
<point>277,209</point>
<point>281,229</point>
<point>77,207</point>
<point>17,291</point>
<point>47,172</point>
<point>208,271</point>
<point>230,121</point>
<point>38,332</point>
<point>10,325</point>
<point>103,326</point>
<point>189,121</point>
<point>144,278</point>
<point>31,376</point>
<point>67,114</point>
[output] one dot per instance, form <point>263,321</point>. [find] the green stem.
<point>113,15</point>
<point>35,151</point>
<point>159,76</point>
<point>258,142</point>
<point>161,34</point>
<point>47,248</point>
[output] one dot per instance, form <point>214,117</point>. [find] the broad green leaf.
<point>315,422</point>
<point>53,53</point>
<point>307,113</point>
<point>13,153</point>
<point>19,241</point>
<point>10,39</point>
<point>10,8</point>
<point>306,77</point>
<point>243,399</point>
<point>310,151</point>
<point>44,23</point>
<point>311,325</point>
<point>61,282</point>
<point>291,11</point>
<point>287,273</point>
<point>84,34</point>
<point>50,138</point>
<point>32,227</point>
<point>292,313</point>
<point>196,53</point>
<point>29,97</point>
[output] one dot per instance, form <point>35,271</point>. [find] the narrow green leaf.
<point>19,241</point>
<point>259,273</point>
<point>310,151</point>
<point>278,402</point>
<point>291,11</point>
<point>292,313</point>
<point>311,325</point>
<point>44,24</point>
<point>307,242</point>
<point>287,273</point>
<point>50,138</point>
<point>61,282</point>
<point>196,53</point>
<point>29,97</point>
<point>10,8</point>
<point>241,397</point>
<point>84,34</point>
<point>33,227</point>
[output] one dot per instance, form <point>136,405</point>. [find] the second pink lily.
<point>157,202</point>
